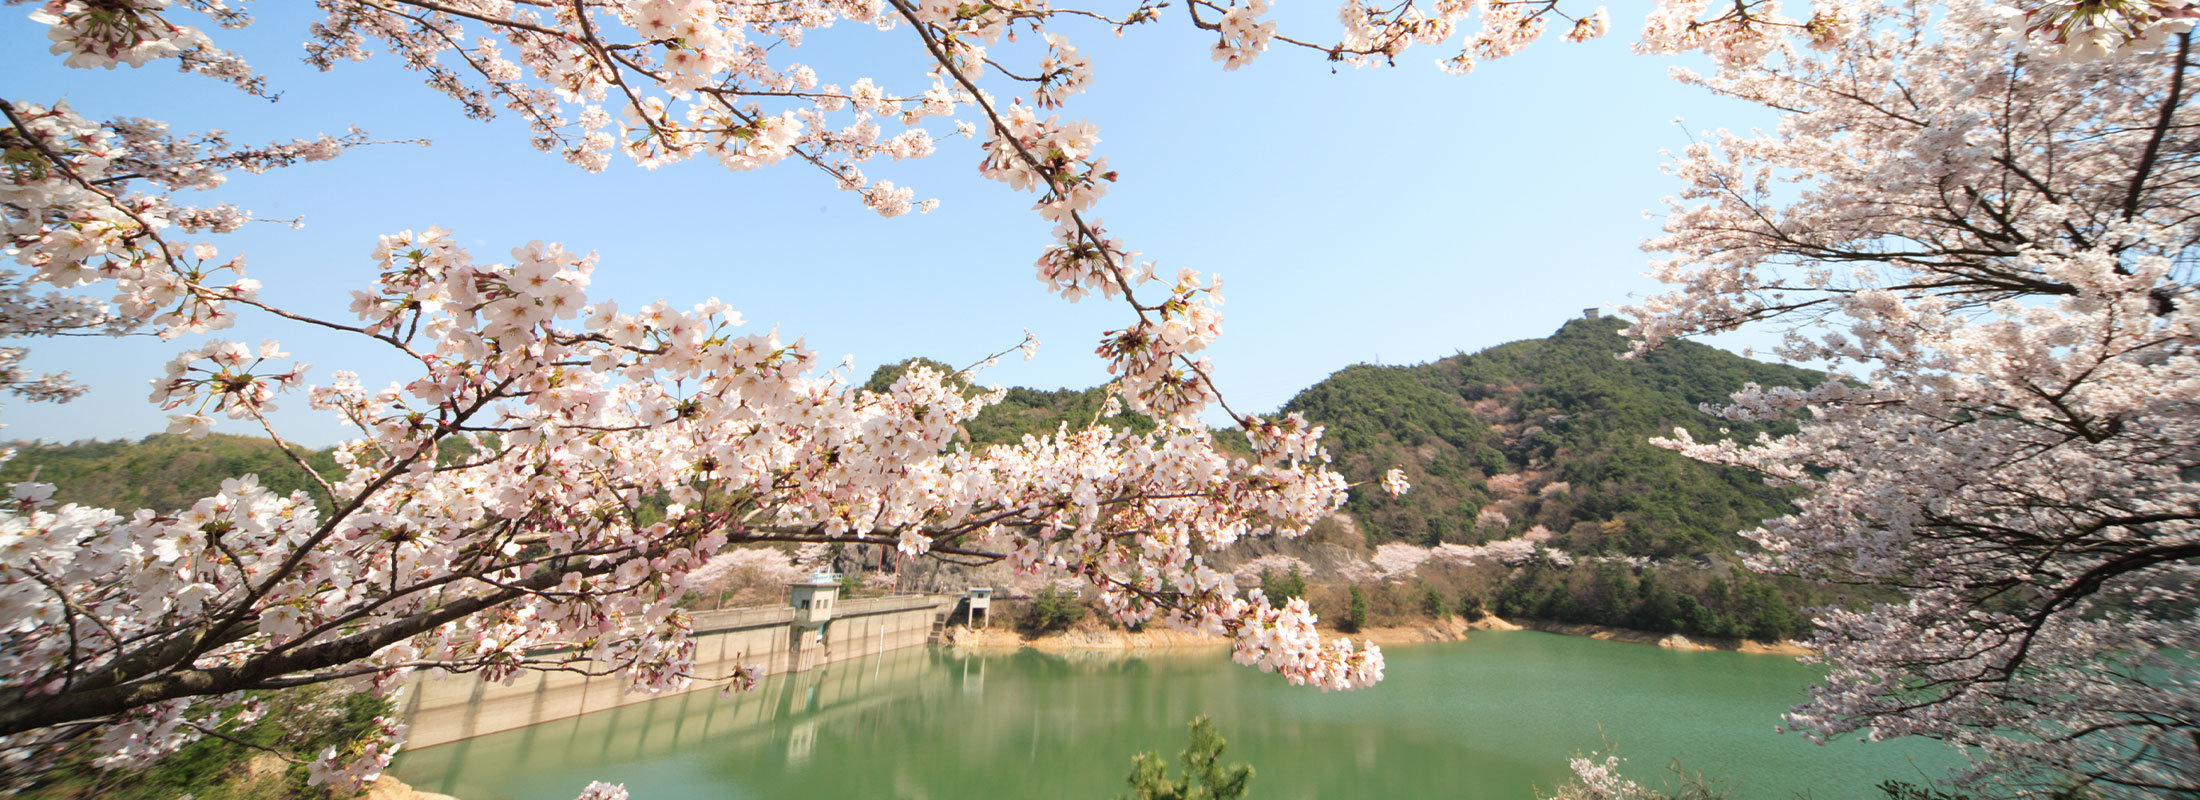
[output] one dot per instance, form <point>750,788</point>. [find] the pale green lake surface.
<point>1495,717</point>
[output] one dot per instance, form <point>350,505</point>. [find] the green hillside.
<point>162,472</point>
<point>1549,432</point>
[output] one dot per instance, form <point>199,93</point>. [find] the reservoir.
<point>1493,718</point>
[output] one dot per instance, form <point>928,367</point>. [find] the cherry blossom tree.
<point>500,509</point>
<point>492,516</point>
<point>1993,246</point>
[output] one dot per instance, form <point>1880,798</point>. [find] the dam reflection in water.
<point>1493,718</point>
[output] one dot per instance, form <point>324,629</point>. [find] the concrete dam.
<point>815,629</point>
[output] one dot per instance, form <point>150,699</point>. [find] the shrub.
<point>1281,588</point>
<point>1053,609</point>
<point>1470,607</point>
<point>1432,603</point>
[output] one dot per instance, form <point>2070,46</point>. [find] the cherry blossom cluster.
<point>72,215</point>
<point>1243,36</point>
<point>96,34</point>
<point>1398,560</point>
<point>33,312</point>
<point>1138,555</point>
<point>1376,36</point>
<point>1991,247</point>
<point>681,79</point>
<point>1063,74</point>
<point>762,564</point>
<point>52,387</point>
<point>598,790</point>
<point>1738,35</point>
<point>1164,378</point>
<point>1284,640</point>
<point>1053,157</point>
<point>141,739</point>
<point>1274,564</point>
<point>2086,31</point>
<point>813,556</point>
<point>351,771</point>
<point>1600,779</point>
<point>1743,34</point>
<point>80,584</point>
<point>1395,483</point>
<point>220,374</point>
<point>1491,519</point>
<point>1288,440</point>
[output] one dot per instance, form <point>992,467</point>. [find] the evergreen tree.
<point>1204,776</point>
<point>1355,614</point>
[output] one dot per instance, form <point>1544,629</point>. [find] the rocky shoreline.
<point>1673,641</point>
<point>389,788</point>
<point>1451,629</point>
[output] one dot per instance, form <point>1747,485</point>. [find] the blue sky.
<point>1395,215</point>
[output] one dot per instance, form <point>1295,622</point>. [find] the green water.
<point>1494,718</point>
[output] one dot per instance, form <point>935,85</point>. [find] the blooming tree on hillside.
<point>500,510</point>
<point>1996,252</point>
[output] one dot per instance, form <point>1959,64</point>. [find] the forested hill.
<point>163,472</point>
<point>1548,432</point>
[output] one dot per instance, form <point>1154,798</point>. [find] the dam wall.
<point>443,707</point>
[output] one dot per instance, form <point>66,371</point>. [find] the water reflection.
<point>1492,718</point>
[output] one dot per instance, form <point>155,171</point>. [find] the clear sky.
<point>1394,215</point>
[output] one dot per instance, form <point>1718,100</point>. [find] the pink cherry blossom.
<point>1990,245</point>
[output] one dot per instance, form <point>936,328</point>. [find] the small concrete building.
<point>813,598</point>
<point>981,601</point>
